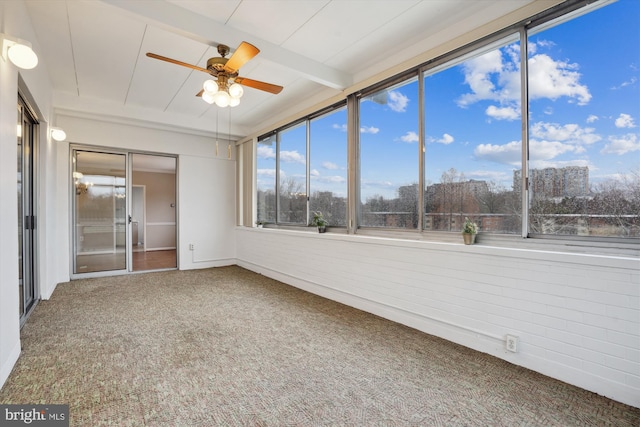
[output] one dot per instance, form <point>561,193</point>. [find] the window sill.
<point>598,247</point>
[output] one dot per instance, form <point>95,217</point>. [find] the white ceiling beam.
<point>205,30</point>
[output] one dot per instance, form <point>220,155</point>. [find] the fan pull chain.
<point>217,132</point>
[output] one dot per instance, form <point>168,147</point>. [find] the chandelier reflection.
<point>81,186</point>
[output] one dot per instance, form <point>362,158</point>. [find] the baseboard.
<point>160,248</point>
<point>7,366</point>
<point>196,264</point>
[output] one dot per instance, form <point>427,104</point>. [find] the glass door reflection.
<point>100,211</point>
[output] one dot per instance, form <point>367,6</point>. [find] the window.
<point>473,141</point>
<point>584,170</point>
<point>292,175</point>
<point>389,151</point>
<point>289,187</point>
<point>464,156</point>
<point>266,178</point>
<point>328,169</point>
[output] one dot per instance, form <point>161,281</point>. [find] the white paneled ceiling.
<point>94,51</point>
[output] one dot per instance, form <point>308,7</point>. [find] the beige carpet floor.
<point>227,347</point>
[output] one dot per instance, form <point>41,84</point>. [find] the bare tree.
<point>492,198</point>
<point>293,201</point>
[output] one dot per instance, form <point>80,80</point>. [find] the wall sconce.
<point>58,134</point>
<point>19,52</point>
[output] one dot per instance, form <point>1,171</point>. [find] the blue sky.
<point>584,111</point>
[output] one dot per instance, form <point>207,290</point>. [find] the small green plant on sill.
<point>469,227</point>
<point>319,220</point>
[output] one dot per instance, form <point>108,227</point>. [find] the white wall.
<point>577,316</point>
<point>207,199</point>
<point>16,23</point>
<point>9,316</point>
<point>206,186</point>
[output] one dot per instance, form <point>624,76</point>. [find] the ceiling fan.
<point>226,89</point>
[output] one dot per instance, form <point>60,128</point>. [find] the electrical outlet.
<point>191,246</point>
<point>512,343</point>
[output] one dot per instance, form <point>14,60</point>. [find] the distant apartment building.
<point>570,181</point>
<point>455,196</point>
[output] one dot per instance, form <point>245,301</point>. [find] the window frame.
<point>276,133</point>
<point>521,32</point>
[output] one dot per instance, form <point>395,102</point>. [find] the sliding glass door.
<point>26,180</point>
<point>124,212</point>
<point>153,212</point>
<point>100,212</point>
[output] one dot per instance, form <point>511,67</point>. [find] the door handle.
<point>129,219</point>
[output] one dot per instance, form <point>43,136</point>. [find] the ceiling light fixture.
<point>224,92</point>
<point>19,52</point>
<point>58,134</point>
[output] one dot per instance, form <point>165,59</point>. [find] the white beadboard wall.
<point>577,316</point>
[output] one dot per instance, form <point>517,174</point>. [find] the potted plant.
<point>319,221</point>
<point>469,231</point>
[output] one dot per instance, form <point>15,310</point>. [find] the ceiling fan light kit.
<point>226,89</point>
<point>221,92</point>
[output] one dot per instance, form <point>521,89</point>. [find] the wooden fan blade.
<point>174,61</point>
<point>267,87</point>
<point>200,93</point>
<point>245,52</point>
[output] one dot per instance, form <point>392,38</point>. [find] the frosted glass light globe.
<point>236,91</point>
<point>208,97</point>
<point>210,86</point>
<point>222,99</point>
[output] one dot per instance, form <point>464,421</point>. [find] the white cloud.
<point>592,118</point>
<point>546,150</point>
<point>266,172</point>
<point>377,184</point>
<point>542,164</point>
<point>292,157</point>
<point>496,77</point>
<point>533,47</point>
<point>446,139</point>
<point>622,144</point>
<point>570,133</point>
<point>554,79</point>
<point>333,179</point>
<point>317,176</point>
<point>629,82</point>
<point>329,165</point>
<point>409,137</point>
<point>265,152</point>
<point>509,154</point>
<point>502,113</point>
<point>477,74</point>
<point>369,129</point>
<point>551,140</point>
<point>342,127</point>
<point>625,121</point>
<point>397,101</point>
